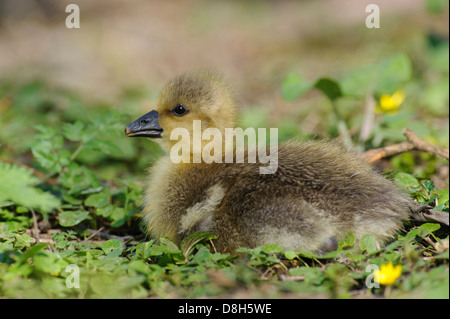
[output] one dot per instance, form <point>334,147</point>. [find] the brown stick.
<point>413,143</point>
<point>106,235</point>
<point>422,145</point>
<point>376,154</point>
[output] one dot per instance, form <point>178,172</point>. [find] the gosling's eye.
<point>179,110</point>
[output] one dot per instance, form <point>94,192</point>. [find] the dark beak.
<point>147,126</point>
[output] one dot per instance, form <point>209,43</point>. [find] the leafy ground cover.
<point>71,188</point>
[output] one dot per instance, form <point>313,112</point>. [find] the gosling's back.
<point>319,192</point>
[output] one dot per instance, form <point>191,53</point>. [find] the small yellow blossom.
<point>388,274</point>
<point>390,103</point>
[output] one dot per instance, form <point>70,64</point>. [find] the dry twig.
<point>376,154</point>
<point>425,146</point>
<point>414,143</point>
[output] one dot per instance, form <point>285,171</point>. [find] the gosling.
<point>319,192</point>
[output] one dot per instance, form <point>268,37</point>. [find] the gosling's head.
<point>199,95</point>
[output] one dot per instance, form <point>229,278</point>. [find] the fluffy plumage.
<point>319,193</point>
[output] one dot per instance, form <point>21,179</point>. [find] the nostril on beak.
<point>147,125</point>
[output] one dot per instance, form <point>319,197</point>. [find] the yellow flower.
<point>388,274</point>
<point>390,103</point>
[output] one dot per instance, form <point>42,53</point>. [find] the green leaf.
<point>368,243</point>
<point>143,249</point>
<point>272,249</point>
<point>97,200</point>
<point>111,245</point>
<point>406,181</point>
<point>168,245</point>
<point>393,245</point>
<point>105,211</point>
<point>10,221</point>
<point>428,186</point>
<point>119,216</point>
<point>30,253</point>
<point>333,254</point>
<point>46,157</point>
<point>392,73</point>
<point>428,228</point>
<point>45,132</point>
<point>49,263</point>
<point>290,254</point>
<point>293,86</point>
<point>16,186</point>
<point>49,154</point>
<point>202,257</point>
<point>358,82</point>
<point>72,218</point>
<point>165,248</point>
<point>384,77</point>
<point>63,156</point>
<point>329,87</point>
<point>22,241</point>
<point>73,131</point>
<point>79,179</point>
<point>348,241</point>
<point>103,146</point>
<point>412,234</point>
<point>306,253</point>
